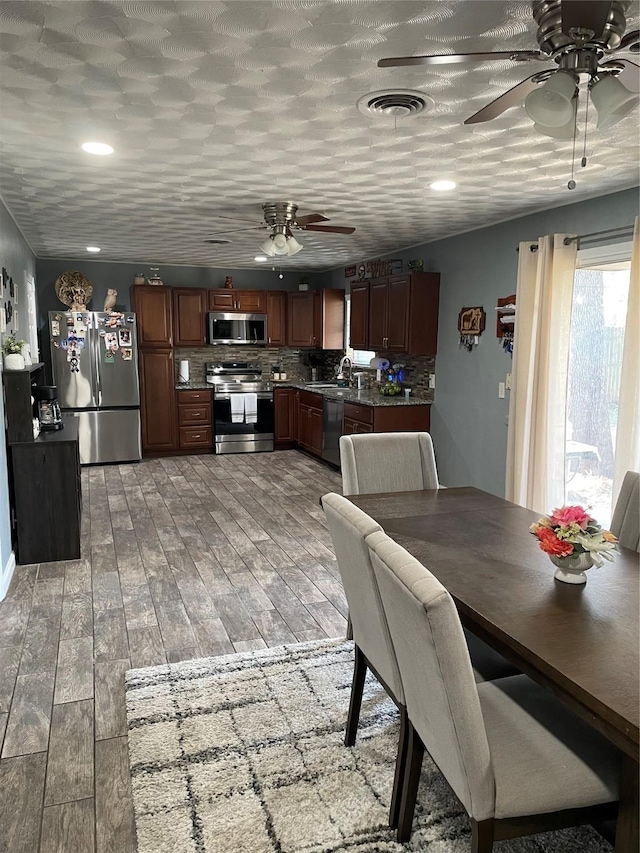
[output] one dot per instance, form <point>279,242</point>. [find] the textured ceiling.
<point>215,107</point>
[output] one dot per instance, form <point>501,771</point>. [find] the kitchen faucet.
<point>341,366</point>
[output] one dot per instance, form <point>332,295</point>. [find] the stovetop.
<point>239,377</point>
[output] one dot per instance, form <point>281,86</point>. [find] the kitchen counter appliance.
<point>242,407</point>
<point>94,359</point>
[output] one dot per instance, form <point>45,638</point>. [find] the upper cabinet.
<point>402,313</point>
<point>359,334</point>
<point>189,316</point>
<point>277,318</point>
<point>152,305</point>
<point>315,319</point>
<point>239,301</point>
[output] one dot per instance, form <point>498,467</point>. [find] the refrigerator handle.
<point>96,364</point>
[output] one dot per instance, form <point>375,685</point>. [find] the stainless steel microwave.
<point>237,329</point>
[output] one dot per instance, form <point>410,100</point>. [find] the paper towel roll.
<point>183,371</point>
<point>379,363</point>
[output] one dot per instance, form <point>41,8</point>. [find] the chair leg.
<point>415,752</point>
<point>357,688</point>
<point>401,769</point>
<point>481,836</point>
<point>349,629</point>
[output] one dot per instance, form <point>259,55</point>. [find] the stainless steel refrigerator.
<point>94,359</point>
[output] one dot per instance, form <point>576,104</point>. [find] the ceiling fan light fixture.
<point>267,247</point>
<point>293,246</point>
<point>279,244</point>
<point>443,185</point>
<point>612,100</point>
<point>565,131</point>
<point>551,105</point>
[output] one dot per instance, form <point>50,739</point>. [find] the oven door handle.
<point>261,395</point>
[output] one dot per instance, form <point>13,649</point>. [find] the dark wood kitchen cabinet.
<point>310,422</point>
<point>315,319</point>
<point>157,400</point>
<point>277,318</point>
<point>359,329</point>
<point>285,416</point>
<point>195,419</point>
<point>238,301</point>
<point>152,305</point>
<point>403,314</point>
<point>189,316</point>
<point>358,418</point>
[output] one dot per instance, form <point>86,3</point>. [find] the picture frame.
<point>471,321</point>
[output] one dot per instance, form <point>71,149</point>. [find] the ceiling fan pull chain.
<point>583,162</point>
<point>572,184</point>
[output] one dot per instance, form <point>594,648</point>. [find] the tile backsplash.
<point>296,363</point>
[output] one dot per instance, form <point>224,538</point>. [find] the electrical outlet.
<point>432,380</point>
<point>501,390</point>
<point>508,382</point>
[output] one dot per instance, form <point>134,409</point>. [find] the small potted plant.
<point>12,349</point>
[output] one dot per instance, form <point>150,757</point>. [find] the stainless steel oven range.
<point>242,407</point>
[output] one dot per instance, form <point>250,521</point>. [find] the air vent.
<point>396,103</point>
<point>216,242</point>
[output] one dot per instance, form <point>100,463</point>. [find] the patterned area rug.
<point>245,754</point>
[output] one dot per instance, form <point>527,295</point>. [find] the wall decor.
<point>377,269</point>
<point>505,321</point>
<point>3,282</point>
<point>228,282</point>
<point>416,265</point>
<point>471,323</point>
<point>362,272</point>
<point>154,278</point>
<point>110,300</point>
<point>349,272</point>
<point>74,289</point>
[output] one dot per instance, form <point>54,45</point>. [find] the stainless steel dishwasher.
<point>332,430</point>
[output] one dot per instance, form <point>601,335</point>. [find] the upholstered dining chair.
<point>387,462</point>
<point>349,526</point>
<point>517,760</point>
<point>625,523</point>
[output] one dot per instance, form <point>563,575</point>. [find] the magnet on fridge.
<point>126,354</point>
<point>109,357</point>
<point>55,328</point>
<point>64,343</point>
<point>70,320</point>
<point>124,337</point>
<point>130,319</point>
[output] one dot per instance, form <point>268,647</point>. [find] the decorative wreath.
<point>74,289</point>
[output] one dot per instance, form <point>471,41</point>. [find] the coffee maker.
<point>47,408</point>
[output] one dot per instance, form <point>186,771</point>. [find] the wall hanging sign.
<point>505,321</point>
<point>377,269</point>
<point>349,272</point>
<point>471,322</point>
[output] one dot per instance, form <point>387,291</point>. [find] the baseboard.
<point>7,574</point>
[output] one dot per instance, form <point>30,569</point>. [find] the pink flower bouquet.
<point>570,531</point>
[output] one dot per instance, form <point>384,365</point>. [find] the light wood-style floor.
<point>181,558</point>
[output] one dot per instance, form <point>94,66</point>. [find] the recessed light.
<point>260,258</point>
<point>97,148</point>
<point>442,186</point>
<point>93,248</point>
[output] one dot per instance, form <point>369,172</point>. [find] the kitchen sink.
<point>322,384</point>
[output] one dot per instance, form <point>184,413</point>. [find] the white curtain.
<point>537,408</point>
<point>627,452</point>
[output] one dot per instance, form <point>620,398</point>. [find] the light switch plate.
<point>501,390</point>
<point>432,380</point>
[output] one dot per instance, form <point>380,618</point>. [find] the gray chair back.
<point>349,526</point>
<point>625,523</point>
<point>387,462</point>
<point>440,691</point>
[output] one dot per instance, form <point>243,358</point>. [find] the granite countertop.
<point>350,395</point>
<point>193,386</point>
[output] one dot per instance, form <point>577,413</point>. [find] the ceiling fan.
<point>577,35</point>
<point>281,219</point>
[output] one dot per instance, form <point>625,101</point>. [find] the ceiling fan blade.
<point>237,231</point>
<point>629,73</point>
<point>329,229</point>
<point>310,218</point>
<point>518,93</point>
<point>584,15</point>
<point>628,40</point>
<point>455,58</point>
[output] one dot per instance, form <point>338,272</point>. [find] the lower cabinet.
<point>392,418</point>
<point>195,419</point>
<point>310,422</point>
<point>157,400</point>
<point>285,408</point>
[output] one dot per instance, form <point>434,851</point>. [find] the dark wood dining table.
<point>582,642</point>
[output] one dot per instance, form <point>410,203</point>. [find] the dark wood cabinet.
<point>152,305</point>
<point>240,301</point>
<point>277,318</point>
<point>284,414</point>
<point>403,314</point>
<point>46,495</point>
<point>316,319</point>
<point>189,316</point>
<point>157,400</point>
<point>359,329</point>
<point>195,419</point>
<point>400,418</point>
<point>18,408</point>
<point>310,422</point>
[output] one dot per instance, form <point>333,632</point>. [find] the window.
<point>596,342</point>
<point>359,357</point>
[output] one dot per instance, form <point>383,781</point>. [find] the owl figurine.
<point>110,301</point>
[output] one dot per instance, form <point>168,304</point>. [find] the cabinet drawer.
<point>308,398</point>
<point>195,436</point>
<point>194,414</point>
<point>198,397</point>
<point>359,413</point>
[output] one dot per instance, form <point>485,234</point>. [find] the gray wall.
<point>469,421</point>
<point>20,262</point>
